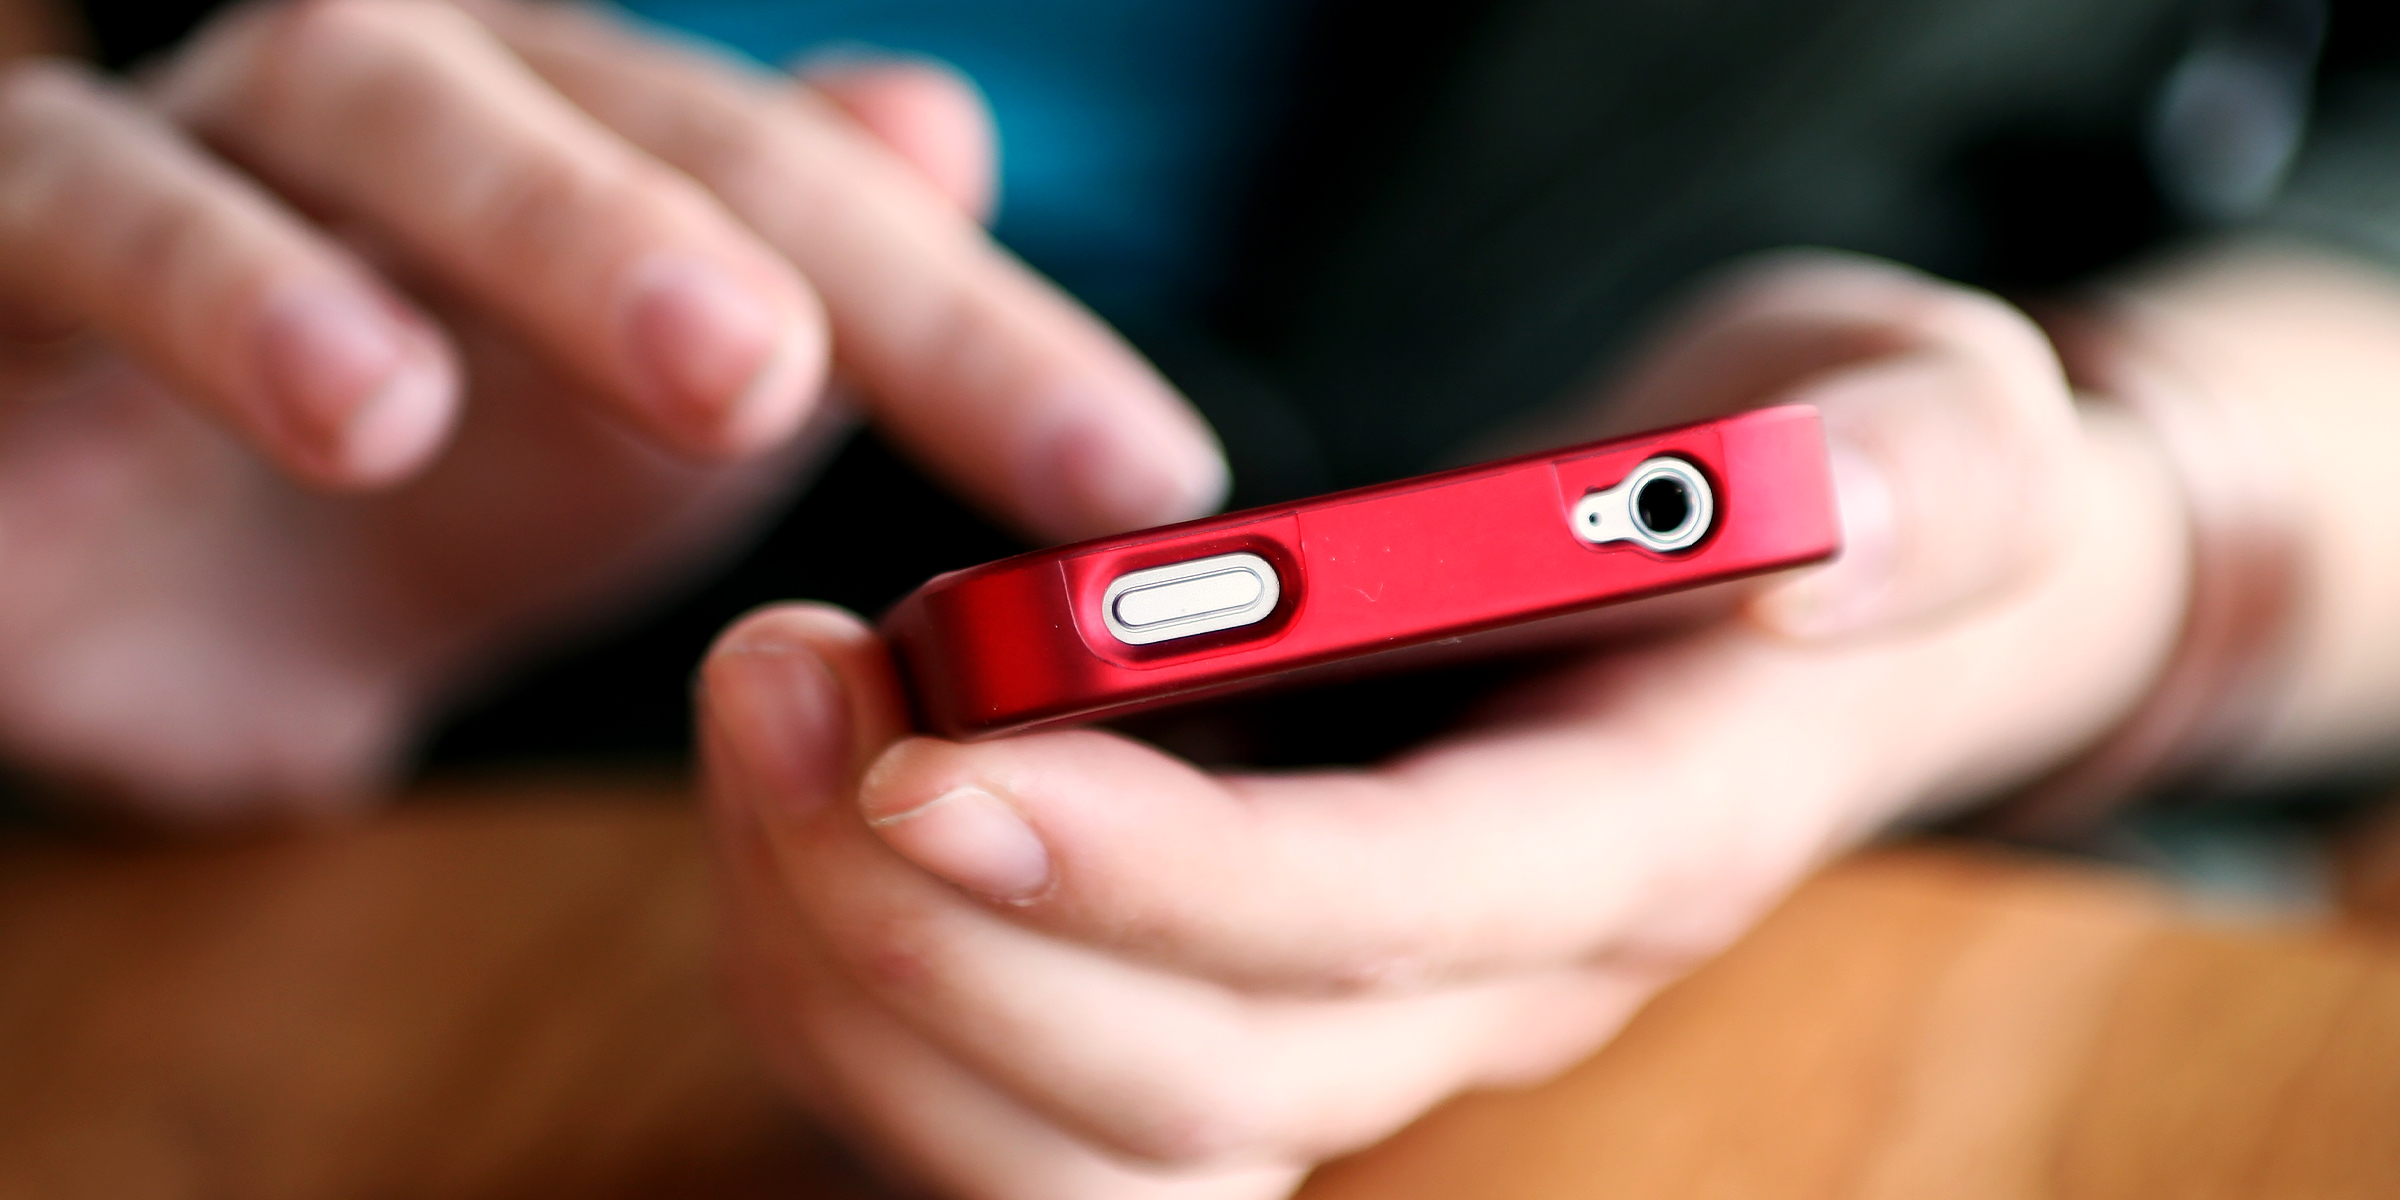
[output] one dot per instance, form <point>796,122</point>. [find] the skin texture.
<point>371,343</point>
<point>301,429</point>
<point>2310,345</point>
<point>1069,965</point>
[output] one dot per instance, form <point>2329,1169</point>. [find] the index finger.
<point>409,118</point>
<point>992,377</point>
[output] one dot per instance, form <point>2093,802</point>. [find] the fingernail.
<point>1094,473</point>
<point>344,382</point>
<point>975,840</point>
<point>700,340</point>
<point>782,715</point>
<point>1852,589</point>
<point>771,406</point>
<point>398,426</point>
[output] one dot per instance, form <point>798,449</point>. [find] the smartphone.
<point>1614,536</point>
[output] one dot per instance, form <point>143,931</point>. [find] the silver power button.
<point>1187,599</point>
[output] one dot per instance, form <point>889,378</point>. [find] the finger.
<point>934,118</point>
<point>108,218</point>
<point>1163,1068</point>
<point>1159,1067</point>
<point>992,378</point>
<point>856,1064</point>
<point>1948,419</point>
<point>408,117</point>
<point>910,1107</point>
<point>1112,843</point>
<point>927,1119</point>
<point>1553,842</point>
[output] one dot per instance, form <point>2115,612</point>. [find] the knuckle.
<point>733,152</point>
<point>783,159</point>
<point>532,204</point>
<point>543,210</point>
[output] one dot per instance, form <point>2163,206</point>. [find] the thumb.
<point>794,701</point>
<point>1954,464</point>
<point>1949,421</point>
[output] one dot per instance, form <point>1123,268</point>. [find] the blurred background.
<point>1362,237</point>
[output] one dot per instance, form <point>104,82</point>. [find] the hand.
<point>522,314</point>
<point>1067,965</point>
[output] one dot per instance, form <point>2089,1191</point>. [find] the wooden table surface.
<point>502,991</point>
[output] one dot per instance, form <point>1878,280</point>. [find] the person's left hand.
<point>370,345</point>
<point>1068,965</point>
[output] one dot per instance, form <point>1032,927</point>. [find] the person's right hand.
<point>524,309</point>
<point>1066,965</point>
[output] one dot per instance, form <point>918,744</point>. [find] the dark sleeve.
<point>2344,186</point>
<point>125,32</point>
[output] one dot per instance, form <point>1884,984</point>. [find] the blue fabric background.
<point>1126,126</point>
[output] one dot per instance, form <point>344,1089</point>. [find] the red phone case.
<point>1119,624</point>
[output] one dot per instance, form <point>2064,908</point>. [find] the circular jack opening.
<point>1671,504</point>
<point>1664,504</point>
<point>1663,507</point>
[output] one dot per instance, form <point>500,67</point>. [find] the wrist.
<point>2204,706</point>
<point>2068,660</point>
<point>2306,348</point>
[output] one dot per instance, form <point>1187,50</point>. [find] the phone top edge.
<point>1265,512</point>
<point>1473,553</point>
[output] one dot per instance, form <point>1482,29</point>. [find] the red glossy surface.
<point>1018,643</point>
